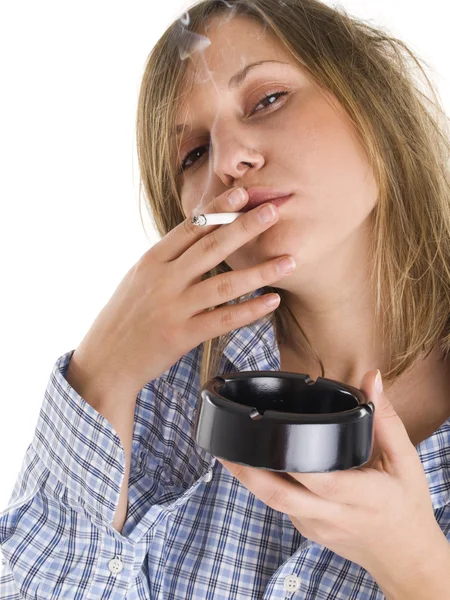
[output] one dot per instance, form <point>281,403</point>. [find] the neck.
<point>332,299</point>
<point>420,396</point>
<point>342,333</point>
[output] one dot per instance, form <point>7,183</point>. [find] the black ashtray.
<point>284,421</point>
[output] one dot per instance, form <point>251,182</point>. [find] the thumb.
<point>391,440</point>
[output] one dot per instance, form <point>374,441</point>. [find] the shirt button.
<point>208,476</point>
<point>115,565</point>
<point>291,583</point>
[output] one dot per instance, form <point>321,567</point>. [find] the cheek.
<point>187,197</point>
<point>332,168</point>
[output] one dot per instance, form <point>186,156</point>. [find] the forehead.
<point>234,43</point>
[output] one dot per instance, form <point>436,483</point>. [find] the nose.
<point>233,153</point>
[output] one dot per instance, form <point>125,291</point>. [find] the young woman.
<point>287,99</point>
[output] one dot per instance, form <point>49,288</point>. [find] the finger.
<point>234,284</point>
<point>219,244</point>
<point>399,454</point>
<point>185,234</point>
<point>282,494</point>
<point>353,486</point>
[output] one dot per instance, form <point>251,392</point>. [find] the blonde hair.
<point>369,72</point>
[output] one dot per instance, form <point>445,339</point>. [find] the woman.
<point>115,500</point>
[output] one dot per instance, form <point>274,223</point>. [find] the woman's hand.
<point>161,308</point>
<point>379,516</point>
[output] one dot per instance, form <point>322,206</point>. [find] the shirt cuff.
<point>79,447</point>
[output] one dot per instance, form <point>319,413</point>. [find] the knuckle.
<point>267,271</point>
<point>247,224</point>
<point>225,287</point>
<point>388,412</point>
<point>227,318</point>
<point>209,243</point>
<point>262,273</point>
<point>216,204</point>
<point>189,227</point>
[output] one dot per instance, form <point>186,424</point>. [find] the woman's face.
<point>300,141</point>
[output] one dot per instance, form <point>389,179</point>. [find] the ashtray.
<point>284,421</point>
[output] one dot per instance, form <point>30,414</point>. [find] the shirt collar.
<point>434,453</point>
<point>253,347</point>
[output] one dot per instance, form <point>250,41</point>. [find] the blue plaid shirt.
<point>192,530</point>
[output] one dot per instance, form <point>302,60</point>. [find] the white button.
<point>115,565</point>
<point>291,583</point>
<point>208,476</point>
<point>2,558</point>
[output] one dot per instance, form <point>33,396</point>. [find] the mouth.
<point>277,200</point>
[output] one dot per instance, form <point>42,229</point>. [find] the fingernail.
<point>378,383</point>
<point>266,213</point>
<point>236,197</point>
<point>286,264</point>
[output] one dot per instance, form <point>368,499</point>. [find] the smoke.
<point>190,43</point>
<point>192,46</point>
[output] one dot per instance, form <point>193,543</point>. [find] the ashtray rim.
<point>362,406</point>
<point>284,441</point>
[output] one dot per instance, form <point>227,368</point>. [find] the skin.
<point>305,143</point>
<point>379,516</point>
<point>302,142</point>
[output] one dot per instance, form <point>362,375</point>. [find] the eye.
<point>267,96</point>
<point>185,166</point>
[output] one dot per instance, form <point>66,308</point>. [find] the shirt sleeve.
<point>56,534</point>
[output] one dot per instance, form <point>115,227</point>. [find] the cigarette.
<point>215,219</point>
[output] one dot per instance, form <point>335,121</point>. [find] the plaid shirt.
<point>192,530</point>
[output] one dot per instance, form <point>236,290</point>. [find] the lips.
<point>259,195</point>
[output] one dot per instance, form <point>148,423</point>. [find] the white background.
<point>70,224</point>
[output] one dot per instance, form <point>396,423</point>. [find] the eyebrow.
<point>236,80</point>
